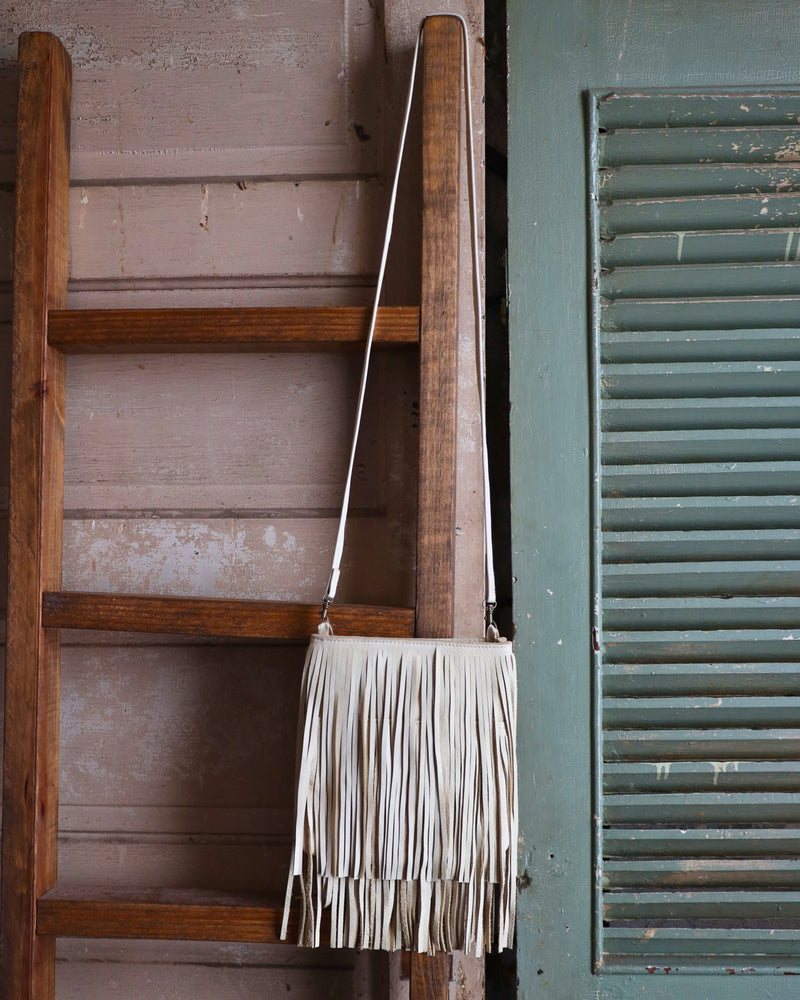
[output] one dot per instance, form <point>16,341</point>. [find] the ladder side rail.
<point>436,509</point>
<point>30,779</point>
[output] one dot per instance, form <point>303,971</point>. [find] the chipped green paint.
<point>558,51</point>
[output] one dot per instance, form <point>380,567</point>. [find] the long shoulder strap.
<point>333,580</point>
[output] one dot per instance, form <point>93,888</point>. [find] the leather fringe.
<point>406,816</point>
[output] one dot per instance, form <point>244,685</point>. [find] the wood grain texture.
<point>213,89</point>
<point>198,616</point>
<point>441,89</point>
<point>165,914</point>
<point>436,510</point>
<point>274,232</point>
<point>30,780</point>
<point>268,234</point>
<point>264,255</point>
<point>430,976</point>
<point>249,559</point>
<point>256,435</point>
<point>97,331</point>
<point>171,970</point>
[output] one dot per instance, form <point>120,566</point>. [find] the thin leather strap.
<point>333,581</point>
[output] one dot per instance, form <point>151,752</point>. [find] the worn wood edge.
<point>30,785</point>
<point>274,620</point>
<point>88,331</point>
<point>438,420</point>
<point>429,974</point>
<point>436,512</point>
<point>161,914</point>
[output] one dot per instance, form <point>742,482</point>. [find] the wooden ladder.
<point>35,909</point>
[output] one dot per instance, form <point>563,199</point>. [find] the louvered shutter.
<point>696,250</point>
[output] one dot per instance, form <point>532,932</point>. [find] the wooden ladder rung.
<point>166,914</point>
<point>285,620</point>
<point>98,331</point>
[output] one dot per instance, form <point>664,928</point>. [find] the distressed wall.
<point>222,154</point>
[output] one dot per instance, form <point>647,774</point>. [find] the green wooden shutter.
<point>696,249</point>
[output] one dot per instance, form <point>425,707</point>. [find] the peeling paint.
<point>203,223</point>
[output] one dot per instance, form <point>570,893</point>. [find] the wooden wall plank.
<point>276,560</point>
<point>166,980</point>
<point>178,232</point>
<point>261,432</point>
<point>219,229</point>
<point>189,91</point>
<point>30,767</point>
<point>150,141</point>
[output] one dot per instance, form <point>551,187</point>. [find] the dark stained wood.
<point>94,331</point>
<point>284,620</point>
<point>430,975</point>
<point>436,513</point>
<point>30,778</point>
<point>165,914</point>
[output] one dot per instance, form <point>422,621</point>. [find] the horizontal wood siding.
<point>224,155</point>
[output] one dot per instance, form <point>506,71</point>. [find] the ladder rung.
<point>98,331</point>
<point>167,914</point>
<point>221,617</point>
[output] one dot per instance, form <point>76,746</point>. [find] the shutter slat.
<point>699,246</point>
<point>697,873</point>
<point>741,962</point>
<point>680,948</point>
<point>710,379</point>
<point>683,446</point>
<point>669,745</point>
<point>737,211</point>
<point>697,464</point>
<point>691,679</point>
<point>638,777</point>
<point>702,413</point>
<point>773,278</point>
<point>682,108</point>
<point>708,313</point>
<point>737,906</point>
<point>701,809</point>
<point>722,646</point>
<point>674,842</point>
<point>696,712</point>
<point>735,144</point>
<point>649,546</point>
<point>694,579</point>
<point>702,479</point>
<point>687,513</point>
<point>669,347</point>
<point>672,180</point>
<point>620,614</point>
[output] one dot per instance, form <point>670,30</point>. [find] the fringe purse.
<point>406,810</point>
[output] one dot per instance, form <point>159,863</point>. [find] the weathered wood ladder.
<point>35,909</point>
